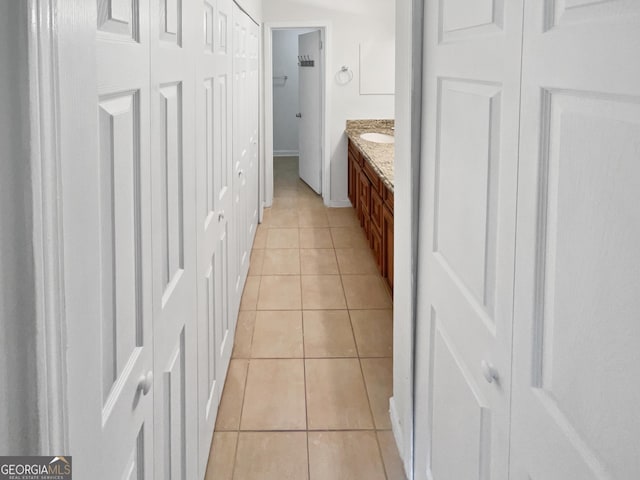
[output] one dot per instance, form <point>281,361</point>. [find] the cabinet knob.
<point>145,382</point>
<point>299,115</point>
<point>489,371</point>
<point>240,173</point>
<point>221,216</point>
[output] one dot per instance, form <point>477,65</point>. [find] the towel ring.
<point>344,76</point>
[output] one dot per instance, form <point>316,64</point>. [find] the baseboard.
<point>286,153</point>
<point>337,203</point>
<point>396,428</point>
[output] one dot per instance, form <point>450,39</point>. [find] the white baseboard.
<point>286,153</point>
<point>337,203</point>
<point>396,428</point>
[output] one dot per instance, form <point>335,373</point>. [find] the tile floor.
<point>308,388</point>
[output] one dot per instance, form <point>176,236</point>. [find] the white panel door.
<point>467,229</point>
<point>245,143</point>
<point>310,116</point>
<point>576,333</point>
<point>174,243</point>
<point>123,273</point>
<point>214,211</point>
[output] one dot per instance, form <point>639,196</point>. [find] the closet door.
<point>576,357</point>
<point>467,230</point>
<point>245,137</point>
<point>174,243</point>
<point>118,193</point>
<point>214,213</point>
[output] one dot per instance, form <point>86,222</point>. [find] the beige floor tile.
<point>282,218</point>
<point>312,217</point>
<point>275,396</point>
<point>373,330</point>
<point>277,335</point>
<point>284,192</point>
<point>318,261</point>
<point>279,292</point>
<point>257,259</point>
<point>283,238</point>
<point>222,456</point>
<point>285,202</point>
<point>378,378</point>
<point>344,456</point>
<point>250,294</point>
<point>366,291</point>
<point>310,201</point>
<point>272,456</point>
<point>349,237</point>
<point>327,333</point>
<point>315,238</point>
<point>342,217</point>
<point>353,261</point>
<point>336,395</point>
<point>322,292</point>
<point>244,334</point>
<point>260,240</point>
<point>281,261</point>
<point>230,408</point>
<point>390,457</point>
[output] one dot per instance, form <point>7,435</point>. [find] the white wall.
<point>285,93</point>
<point>407,174</point>
<point>18,390</point>
<point>352,22</point>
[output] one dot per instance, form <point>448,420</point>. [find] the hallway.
<point>309,383</point>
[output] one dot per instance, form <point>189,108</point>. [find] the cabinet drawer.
<point>376,211</point>
<point>376,183</point>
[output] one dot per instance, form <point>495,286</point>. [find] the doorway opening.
<point>296,109</point>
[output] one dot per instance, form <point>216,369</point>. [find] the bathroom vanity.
<point>370,167</point>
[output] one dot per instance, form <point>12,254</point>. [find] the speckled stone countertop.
<point>379,155</point>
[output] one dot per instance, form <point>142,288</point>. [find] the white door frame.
<point>269,27</point>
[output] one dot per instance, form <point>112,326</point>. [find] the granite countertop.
<point>378,155</point>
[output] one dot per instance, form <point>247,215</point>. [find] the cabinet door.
<point>356,189</point>
<point>376,211</point>
<point>375,242</point>
<point>387,246</point>
<point>365,195</point>
<point>352,179</point>
<point>471,100</point>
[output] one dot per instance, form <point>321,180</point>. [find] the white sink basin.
<point>377,137</point>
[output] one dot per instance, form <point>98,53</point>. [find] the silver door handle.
<point>299,115</point>
<point>145,382</point>
<point>489,371</point>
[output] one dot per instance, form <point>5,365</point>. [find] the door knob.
<point>145,382</point>
<point>489,371</point>
<point>299,115</point>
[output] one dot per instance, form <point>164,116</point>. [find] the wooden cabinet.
<point>373,202</point>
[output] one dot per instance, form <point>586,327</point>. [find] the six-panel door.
<point>467,227</point>
<point>577,302</point>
